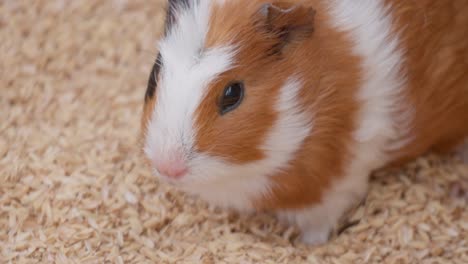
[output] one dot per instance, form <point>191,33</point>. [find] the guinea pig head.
<point>222,109</point>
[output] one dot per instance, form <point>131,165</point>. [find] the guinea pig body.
<point>290,105</point>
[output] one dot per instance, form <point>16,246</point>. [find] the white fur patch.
<point>370,26</point>
<point>187,69</point>
<point>385,117</point>
<point>317,221</point>
<point>235,186</point>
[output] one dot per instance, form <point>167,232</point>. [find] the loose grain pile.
<point>73,188</point>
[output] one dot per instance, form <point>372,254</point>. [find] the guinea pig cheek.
<point>235,138</point>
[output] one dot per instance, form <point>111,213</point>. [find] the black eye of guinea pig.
<point>232,97</point>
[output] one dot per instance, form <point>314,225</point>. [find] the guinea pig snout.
<point>173,167</point>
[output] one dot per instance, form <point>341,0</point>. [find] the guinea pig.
<point>289,106</point>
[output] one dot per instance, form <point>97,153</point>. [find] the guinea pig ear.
<point>287,22</point>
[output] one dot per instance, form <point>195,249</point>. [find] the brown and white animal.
<point>288,106</point>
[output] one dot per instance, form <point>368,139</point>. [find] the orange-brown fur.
<point>434,41</point>
<point>434,36</point>
<point>238,135</point>
<point>331,77</point>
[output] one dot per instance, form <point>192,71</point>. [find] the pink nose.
<point>172,169</point>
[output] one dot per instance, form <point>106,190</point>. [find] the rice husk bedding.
<point>74,188</point>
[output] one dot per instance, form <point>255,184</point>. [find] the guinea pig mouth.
<point>188,183</point>
<point>175,182</point>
